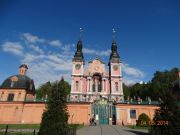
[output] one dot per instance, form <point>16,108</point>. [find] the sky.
<point>43,34</point>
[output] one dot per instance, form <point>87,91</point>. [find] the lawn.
<point>29,126</point>
<point>17,134</point>
<point>20,126</point>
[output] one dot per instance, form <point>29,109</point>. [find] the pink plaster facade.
<point>95,80</point>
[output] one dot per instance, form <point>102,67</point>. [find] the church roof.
<point>18,82</point>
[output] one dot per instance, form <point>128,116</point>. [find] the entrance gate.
<point>104,112</point>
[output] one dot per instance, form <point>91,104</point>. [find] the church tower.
<point>115,73</point>
<point>77,71</point>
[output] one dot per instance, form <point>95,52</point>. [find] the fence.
<point>8,131</point>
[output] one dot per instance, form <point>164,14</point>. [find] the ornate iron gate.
<point>103,111</point>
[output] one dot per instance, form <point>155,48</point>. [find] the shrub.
<point>143,120</point>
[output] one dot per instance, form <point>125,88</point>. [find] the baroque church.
<point>96,91</point>
<point>95,81</point>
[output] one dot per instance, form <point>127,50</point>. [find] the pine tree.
<point>54,119</point>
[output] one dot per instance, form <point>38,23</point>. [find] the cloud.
<point>131,75</point>
<point>129,81</point>
<point>131,71</point>
<point>50,64</point>
<point>32,38</point>
<point>48,67</point>
<point>56,43</point>
<point>95,52</point>
<point>36,49</point>
<point>13,47</point>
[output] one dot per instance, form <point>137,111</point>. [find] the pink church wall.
<point>84,87</point>
<point>79,113</point>
<point>31,113</point>
<point>74,84</point>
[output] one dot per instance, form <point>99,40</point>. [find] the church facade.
<point>95,81</point>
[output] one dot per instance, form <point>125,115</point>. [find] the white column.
<point>81,84</point>
<point>103,85</point>
<point>87,85</point>
<point>112,90</point>
<point>91,85</point>
<point>72,86</point>
<point>106,86</point>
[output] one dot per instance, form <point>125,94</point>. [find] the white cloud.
<point>36,49</point>
<point>56,43</point>
<point>51,64</point>
<point>43,68</point>
<point>95,52</point>
<point>48,66</point>
<point>13,47</point>
<point>134,72</point>
<point>129,82</point>
<point>32,38</point>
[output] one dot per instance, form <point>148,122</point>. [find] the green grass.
<point>17,133</point>
<point>76,126</point>
<point>20,126</point>
<point>30,126</point>
<point>137,127</point>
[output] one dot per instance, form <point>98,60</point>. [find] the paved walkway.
<point>110,130</point>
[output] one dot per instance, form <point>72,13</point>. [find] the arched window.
<point>116,86</point>
<point>77,85</point>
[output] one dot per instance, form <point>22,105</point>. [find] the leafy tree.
<point>143,120</point>
<point>44,90</point>
<point>54,119</point>
<point>161,81</point>
<point>126,91</point>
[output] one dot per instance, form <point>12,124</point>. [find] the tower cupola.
<point>114,56</point>
<point>23,69</point>
<point>78,56</point>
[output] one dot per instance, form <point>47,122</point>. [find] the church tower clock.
<point>115,73</point>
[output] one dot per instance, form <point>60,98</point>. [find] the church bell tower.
<point>77,71</point>
<point>115,73</point>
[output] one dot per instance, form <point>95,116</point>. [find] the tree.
<point>167,117</point>
<point>162,80</point>
<point>143,120</point>
<point>55,117</point>
<point>45,89</point>
<point>126,91</point>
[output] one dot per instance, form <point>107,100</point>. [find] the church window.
<point>116,86</point>
<point>10,97</point>
<point>77,85</point>
<point>133,114</point>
